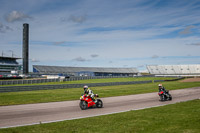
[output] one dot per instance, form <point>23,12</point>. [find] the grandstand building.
<point>174,70</point>
<point>9,65</point>
<point>85,71</point>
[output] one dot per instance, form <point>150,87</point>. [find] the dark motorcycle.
<point>165,96</point>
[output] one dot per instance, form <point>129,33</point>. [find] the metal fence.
<point>33,81</point>
<point>64,86</point>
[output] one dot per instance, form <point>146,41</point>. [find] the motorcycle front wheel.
<point>83,105</point>
<point>170,97</point>
<point>162,98</point>
<point>99,103</point>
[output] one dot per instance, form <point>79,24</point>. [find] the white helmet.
<point>160,85</point>
<point>85,87</point>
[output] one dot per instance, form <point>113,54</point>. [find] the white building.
<point>174,70</point>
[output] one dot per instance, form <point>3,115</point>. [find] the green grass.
<point>175,118</point>
<point>41,96</point>
<point>106,80</point>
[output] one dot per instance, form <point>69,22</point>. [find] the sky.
<point>102,33</point>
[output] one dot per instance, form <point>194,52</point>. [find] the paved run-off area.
<point>19,115</point>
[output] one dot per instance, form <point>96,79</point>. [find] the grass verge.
<point>41,96</point>
<point>175,118</point>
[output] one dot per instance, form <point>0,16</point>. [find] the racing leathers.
<point>161,88</point>
<point>90,93</point>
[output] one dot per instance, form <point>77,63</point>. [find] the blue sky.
<point>103,33</point>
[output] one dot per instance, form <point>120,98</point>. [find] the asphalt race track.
<point>21,115</point>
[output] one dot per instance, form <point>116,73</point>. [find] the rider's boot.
<point>94,100</point>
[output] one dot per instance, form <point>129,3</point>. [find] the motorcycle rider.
<point>162,88</point>
<point>89,93</point>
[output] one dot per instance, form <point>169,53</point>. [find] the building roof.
<point>10,58</point>
<point>61,69</point>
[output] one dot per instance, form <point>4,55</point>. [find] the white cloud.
<point>78,19</point>
<point>155,56</point>
<point>187,30</point>
<point>195,44</point>
<point>16,16</point>
<point>94,55</point>
<point>34,60</point>
<point>4,28</point>
<point>58,43</point>
<point>80,59</point>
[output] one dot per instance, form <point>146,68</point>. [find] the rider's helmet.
<point>160,85</point>
<point>85,87</point>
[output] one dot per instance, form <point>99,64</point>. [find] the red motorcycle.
<point>164,96</point>
<point>87,102</point>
